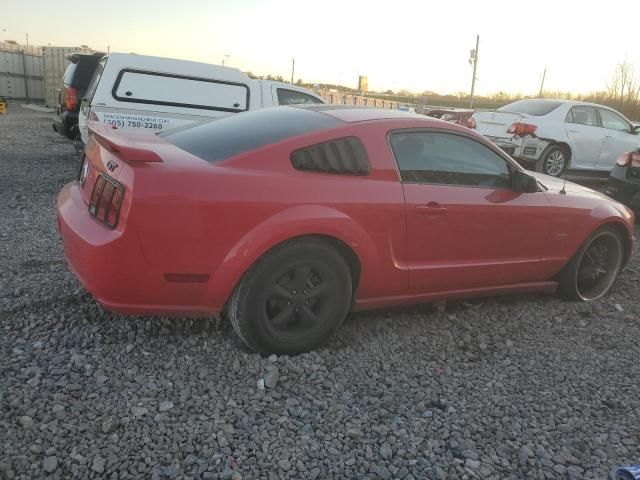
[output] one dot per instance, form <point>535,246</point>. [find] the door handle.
<point>431,208</point>
<point>572,130</point>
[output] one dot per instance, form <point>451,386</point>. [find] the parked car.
<point>624,180</point>
<point>74,86</point>
<point>137,92</point>
<point>551,136</point>
<point>289,217</point>
<point>461,116</point>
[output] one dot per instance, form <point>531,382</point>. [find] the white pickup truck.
<point>141,92</point>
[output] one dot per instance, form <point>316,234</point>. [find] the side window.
<point>67,79</point>
<point>613,121</point>
<point>583,115</point>
<point>292,97</point>
<point>93,84</point>
<point>175,90</point>
<point>448,159</point>
<point>569,118</point>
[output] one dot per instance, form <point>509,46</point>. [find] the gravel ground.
<point>506,388</point>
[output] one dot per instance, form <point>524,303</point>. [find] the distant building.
<point>363,83</point>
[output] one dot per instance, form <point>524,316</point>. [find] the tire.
<point>592,271</point>
<point>554,161</point>
<point>292,299</point>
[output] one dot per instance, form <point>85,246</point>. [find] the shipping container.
<point>55,64</point>
<point>14,60</point>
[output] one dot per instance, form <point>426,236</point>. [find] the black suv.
<point>74,85</point>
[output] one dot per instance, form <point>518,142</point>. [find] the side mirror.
<point>522,182</point>
<point>635,129</point>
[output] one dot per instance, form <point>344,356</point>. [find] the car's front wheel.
<point>554,161</point>
<point>594,268</point>
<point>293,299</point>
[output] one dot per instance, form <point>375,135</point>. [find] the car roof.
<point>356,113</point>
<point>562,101</point>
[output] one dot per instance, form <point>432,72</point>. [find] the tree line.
<point>622,93</point>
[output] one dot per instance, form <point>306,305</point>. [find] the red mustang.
<point>289,217</point>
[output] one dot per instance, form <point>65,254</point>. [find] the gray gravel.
<point>518,387</point>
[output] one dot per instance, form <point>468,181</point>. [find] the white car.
<point>138,92</point>
<point>551,136</point>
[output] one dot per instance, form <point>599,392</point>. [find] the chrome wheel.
<point>599,265</point>
<point>554,163</point>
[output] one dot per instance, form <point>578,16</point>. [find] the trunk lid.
<point>495,124</point>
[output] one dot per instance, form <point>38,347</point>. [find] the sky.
<point>401,44</point>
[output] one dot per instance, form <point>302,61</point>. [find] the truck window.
<point>180,91</point>
<point>68,74</point>
<point>293,97</point>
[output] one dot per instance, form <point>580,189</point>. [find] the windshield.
<point>537,108</point>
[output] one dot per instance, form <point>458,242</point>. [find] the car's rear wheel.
<point>594,268</point>
<point>293,299</point>
<point>554,160</point>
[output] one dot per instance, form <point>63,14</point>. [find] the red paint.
<point>183,218</point>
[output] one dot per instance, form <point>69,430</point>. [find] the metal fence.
<point>33,73</point>
<point>21,72</point>
<point>338,98</point>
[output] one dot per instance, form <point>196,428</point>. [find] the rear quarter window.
<point>232,135</point>
<point>95,79</point>
<point>67,78</point>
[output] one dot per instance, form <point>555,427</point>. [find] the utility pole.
<point>293,69</point>
<point>24,67</point>
<point>544,74</point>
<point>226,55</point>
<point>473,59</point>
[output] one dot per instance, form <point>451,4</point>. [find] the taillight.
<point>623,160</point>
<point>114,211</point>
<point>71,98</point>
<point>522,129</point>
<point>629,159</point>
<point>93,116</point>
<point>471,123</point>
<point>106,200</point>
<point>84,171</point>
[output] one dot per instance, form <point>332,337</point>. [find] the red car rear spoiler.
<point>124,148</point>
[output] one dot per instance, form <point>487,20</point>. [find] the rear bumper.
<point>526,151</point>
<point>110,264</point>
<point>67,124</point>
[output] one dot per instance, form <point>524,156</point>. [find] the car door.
<point>466,227</point>
<point>619,137</point>
<point>585,135</point>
